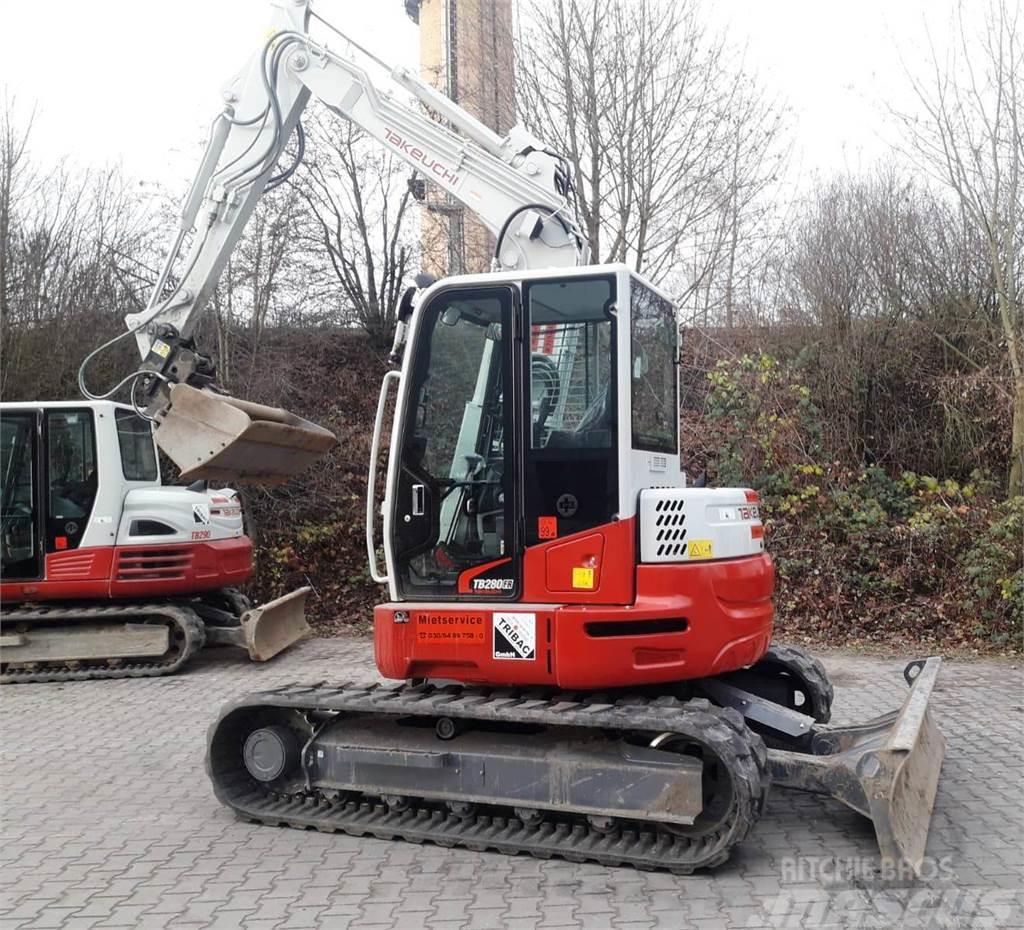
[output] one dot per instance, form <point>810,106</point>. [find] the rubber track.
<point>638,844</point>
<point>184,618</point>
<point>810,671</point>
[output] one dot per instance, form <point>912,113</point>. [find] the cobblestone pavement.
<point>109,821</point>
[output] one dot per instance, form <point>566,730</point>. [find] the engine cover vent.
<point>698,524</point>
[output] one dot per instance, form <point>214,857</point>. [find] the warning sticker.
<point>515,636</point>
<point>450,628</point>
<point>547,527</point>
<point>700,549</point>
<point>582,577</point>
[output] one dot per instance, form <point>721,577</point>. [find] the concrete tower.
<point>465,52</point>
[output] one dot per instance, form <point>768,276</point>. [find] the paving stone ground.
<point>108,820</point>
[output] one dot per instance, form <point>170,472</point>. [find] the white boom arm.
<point>512,183</point>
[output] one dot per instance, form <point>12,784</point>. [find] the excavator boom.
<point>518,188</point>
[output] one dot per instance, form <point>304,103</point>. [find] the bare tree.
<point>74,251</point>
<point>16,181</point>
<point>658,128</point>
<point>359,202</point>
<point>260,286</point>
<point>972,138</point>
<point>867,257</point>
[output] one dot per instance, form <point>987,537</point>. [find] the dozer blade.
<point>901,779</point>
<point>273,627</point>
<point>266,630</point>
<point>221,438</point>
<point>886,769</point>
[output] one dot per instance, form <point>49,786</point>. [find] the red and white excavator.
<point>106,573</point>
<point>583,642</point>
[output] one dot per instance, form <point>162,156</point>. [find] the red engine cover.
<point>633,625</point>
<point>137,571</point>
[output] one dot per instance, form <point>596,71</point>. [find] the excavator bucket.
<point>266,630</point>
<point>886,769</point>
<point>221,438</point>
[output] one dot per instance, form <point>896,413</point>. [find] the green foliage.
<point>861,553</point>
<point>762,416</point>
<point>995,567</point>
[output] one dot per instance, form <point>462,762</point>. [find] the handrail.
<point>371,481</point>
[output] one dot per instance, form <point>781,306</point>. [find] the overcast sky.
<point>139,82</point>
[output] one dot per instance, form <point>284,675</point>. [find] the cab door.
<point>453,508</point>
<point>21,550</point>
<point>72,476</point>
<point>572,430</point>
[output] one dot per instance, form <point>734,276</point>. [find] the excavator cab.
<point>534,461</point>
<point>50,479</point>
<point>503,378</point>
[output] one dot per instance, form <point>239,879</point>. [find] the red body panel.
<point>610,550</point>
<point>726,606</point>
<point>137,571</point>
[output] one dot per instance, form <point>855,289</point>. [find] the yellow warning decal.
<point>699,549</point>
<point>160,348</point>
<point>583,578</point>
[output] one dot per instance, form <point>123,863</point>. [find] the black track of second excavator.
<point>185,617</point>
<point>635,843</point>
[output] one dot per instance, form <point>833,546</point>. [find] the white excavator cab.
<point>520,406</point>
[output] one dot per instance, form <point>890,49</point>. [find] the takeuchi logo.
<point>416,154</point>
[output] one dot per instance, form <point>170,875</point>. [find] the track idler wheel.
<point>271,752</point>
<point>733,783</point>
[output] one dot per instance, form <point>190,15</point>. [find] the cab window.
<point>135,440</point>
<point>19,543</point>
<point>453,506</point>
<point>652,376</point>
